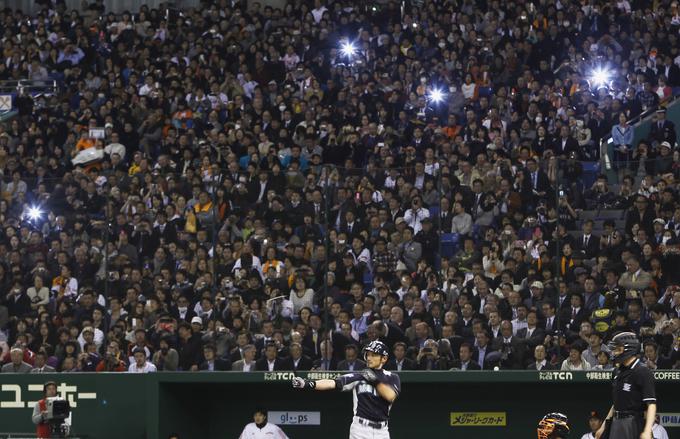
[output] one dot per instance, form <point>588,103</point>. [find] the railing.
<point>29,86</point>
<point>4,435</point>
<point>638,124</point>
<point>117,6</point>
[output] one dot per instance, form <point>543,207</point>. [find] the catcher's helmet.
<point>377,347</point>
<point>553,426</point>
<point>630,344</point>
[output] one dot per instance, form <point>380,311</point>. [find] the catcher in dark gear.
<point>634,409</point>
<point>553,426</point>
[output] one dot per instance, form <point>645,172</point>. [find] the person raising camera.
<point>39,417</point>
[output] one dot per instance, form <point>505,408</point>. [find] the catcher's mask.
<point>553,426</point>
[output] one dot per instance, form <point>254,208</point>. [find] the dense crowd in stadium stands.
<point>232,188</point>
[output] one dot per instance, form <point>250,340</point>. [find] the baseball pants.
<point>627,428</point>
<point>360,431</point>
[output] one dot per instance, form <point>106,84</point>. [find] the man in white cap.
<point>534,302</point>
<point>662,129</point>
<point>659,226</point>
<point>196,324</point>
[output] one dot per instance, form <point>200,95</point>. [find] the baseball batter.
<point>374,392</point>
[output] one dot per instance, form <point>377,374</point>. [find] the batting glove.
<point>369,375</point>
<point>301,383</point>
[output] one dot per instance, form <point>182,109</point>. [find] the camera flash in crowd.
<point>600,76</point>
<point>348,49</point>
<point>34,213</point>
<point>436,95</point>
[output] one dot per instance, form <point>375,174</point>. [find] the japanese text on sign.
<point>478,419</point>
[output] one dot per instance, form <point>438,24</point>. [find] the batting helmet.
<point>630,344</point>
<point>377,347</point>
<point>553,426</point>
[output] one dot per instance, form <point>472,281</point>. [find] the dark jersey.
<point>633,387</point>
<point>368,404</point>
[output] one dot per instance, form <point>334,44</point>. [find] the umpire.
<point>632,415</point>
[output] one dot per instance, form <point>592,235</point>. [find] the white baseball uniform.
<point>269,431</point>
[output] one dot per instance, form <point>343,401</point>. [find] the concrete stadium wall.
<point>218,405</point>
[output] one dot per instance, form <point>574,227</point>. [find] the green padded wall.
<point>218,405</point>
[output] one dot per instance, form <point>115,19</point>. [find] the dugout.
<point>218,405</point>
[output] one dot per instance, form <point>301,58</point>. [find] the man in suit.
<point>397,319</point>
<point>311,343</point>
<point>464,324</point>
<point>270,362</point>
<point>317,207</point>
<point>247,364</point>
<point>449,333</point>
<point>419,176</point>
<point>388,331</point>
<point>672,301</point>
<point>351,226</point>
<point>494,323</point>
<point>297,361</point>
<point>257,189</point>
<point>399,361</point>
<point>550,320</point>
<point>211,363</point>
<point>587,242</point>
<point>17,363</point>
<point>351,361</point>
<point>418,332</point>
<point>641,213</point>
<point>513,349</point>
<point>540,362</point>
<point>465,361</point>
<point>563,300</point>
<point>163,231</point>
<point>532,334</point>
<point>395,211</point>
<point>662,130</point>
<point>40,364</point>
<point>445,215</point>
<point>671,71</point>
<point>477,196</point>
<point>571,317</point>
<point>326,362</point>
<point>565,144</point>
<point>634,278</point>
<point>410,251</point>
<point>182,311</point>
<point>267,337</point>
<point>339,343</point>
<point>536,181</point>
<point>483,348</point>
